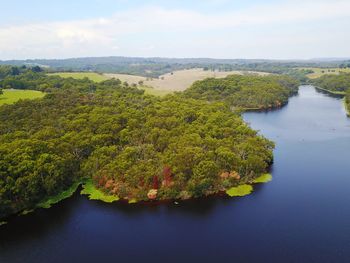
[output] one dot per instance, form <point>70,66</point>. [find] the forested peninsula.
<point>124,144</point>
<point>246,91</point>
<point>336,84</point>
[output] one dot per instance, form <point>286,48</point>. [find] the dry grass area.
<point>318,72</point>
<point>131,79</point>
<point>178,80</point>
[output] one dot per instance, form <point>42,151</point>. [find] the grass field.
<point>80,75</point>
<point>11,96</point>
<point>156,92</point>
<point>176,81</point>
<point>165,84</point>
<point>318,72</point>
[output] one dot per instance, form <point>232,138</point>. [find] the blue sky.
<point>198,28</point>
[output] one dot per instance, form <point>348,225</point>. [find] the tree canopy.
<point>334,83</point>
<point>130,145</point>
<point>247,91</point>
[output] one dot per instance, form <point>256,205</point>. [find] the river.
<point>303,215</point>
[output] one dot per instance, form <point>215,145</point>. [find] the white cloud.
<point>143,32</point>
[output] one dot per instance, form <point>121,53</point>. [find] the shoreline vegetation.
<point>331,92</point>
<point>333,84</point>
<point>61,196</point>
<point>240,190</point>
<point>94,193</point>
<point>338,85</point>
<point>52,200</point>
<point>346,102</point>
<point>248,92</point>
<point>129,145</point>
<point>264,178</point>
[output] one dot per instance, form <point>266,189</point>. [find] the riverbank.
<point>58,198</point>
<point>93,193</point>
<point>47,202</point>
<point>337,93</point>
<point>347,109</point>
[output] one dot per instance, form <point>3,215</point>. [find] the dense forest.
<point>130,144</point>
<point>252,92</point>
<point>335,83</point>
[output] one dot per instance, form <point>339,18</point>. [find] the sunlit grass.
<point>80,75</point>
<point>265,178</point>
<point>96,194</point>
<point>11,96</point>
<point>132,201</point>
<point>318,72</point>
<point>240,190</point>
<point>155,92</point>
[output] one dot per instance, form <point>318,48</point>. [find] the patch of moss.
<point>263,179</point>
<point>240,190</point>
<point>27,211</point>
<point>132,201</point>
<point>96,194</point>
<point>57,198</point>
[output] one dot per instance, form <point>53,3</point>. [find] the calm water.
<point>303,215</point>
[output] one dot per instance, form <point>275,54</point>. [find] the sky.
<point>271,29</point>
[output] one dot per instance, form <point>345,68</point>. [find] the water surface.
<point>303,215</point>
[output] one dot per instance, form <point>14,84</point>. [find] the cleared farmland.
<point>318,72</point>
<point>165,84</point>
<point>80,75</point>
<point>178,80</point>
<point>11,96</point>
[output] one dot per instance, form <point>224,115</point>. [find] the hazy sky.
<point>192,28</point>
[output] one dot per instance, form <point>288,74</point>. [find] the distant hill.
<point>154,67</point>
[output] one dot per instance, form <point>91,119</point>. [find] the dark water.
<point>303,215</point>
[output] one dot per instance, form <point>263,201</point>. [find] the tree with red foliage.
<point>167,175</point>
<point>155,183</point>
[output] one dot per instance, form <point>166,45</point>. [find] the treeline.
<point>130,144</point>
<point>154,67</point>
<point>34,78</point>
<point>334,83</point>
<point>247,91</point>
